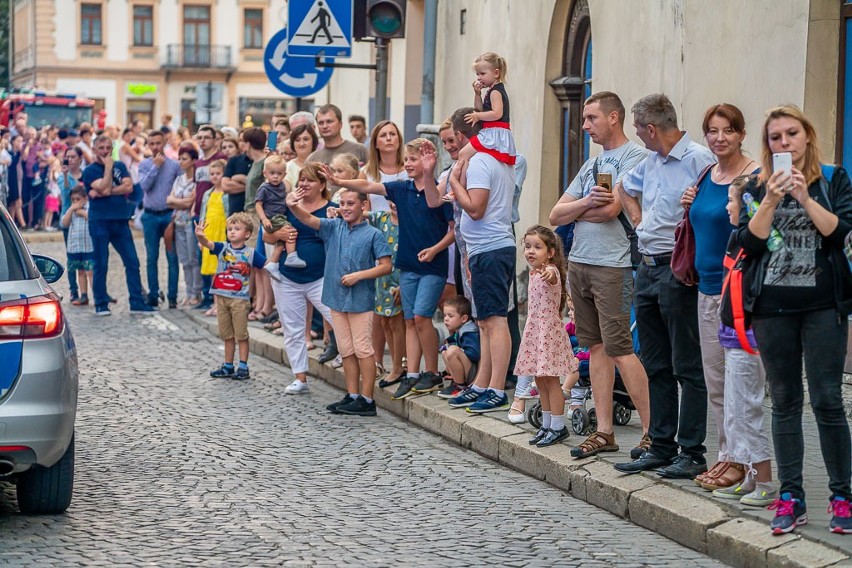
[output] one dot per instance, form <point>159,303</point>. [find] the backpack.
<point>744,278</point>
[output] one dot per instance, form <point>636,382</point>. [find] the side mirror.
<point>51,270</point>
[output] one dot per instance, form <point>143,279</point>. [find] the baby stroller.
<point>584,419</point>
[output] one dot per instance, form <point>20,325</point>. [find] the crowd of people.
<point>360,243</point>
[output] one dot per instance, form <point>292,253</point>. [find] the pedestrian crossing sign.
<point>320,27</point>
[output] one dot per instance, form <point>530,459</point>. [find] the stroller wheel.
<point>593,421</point>
<point>621,414</point>
<point>534,414</point>
<point>580,421</point>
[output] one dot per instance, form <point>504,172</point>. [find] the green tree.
<point>4,43</point>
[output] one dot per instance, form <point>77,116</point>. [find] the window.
<point>253,28</point>
<point>143,25</point>
<point>462,22</point>
<point>140,109</point>
<point>844,95</point>
<point>90,24</point>
<point>196,36</point>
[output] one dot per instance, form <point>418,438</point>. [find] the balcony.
<point>191,56</point>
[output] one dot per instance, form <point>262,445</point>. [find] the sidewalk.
<point>679,510</point>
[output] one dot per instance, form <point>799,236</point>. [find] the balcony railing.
<point>198,56</point>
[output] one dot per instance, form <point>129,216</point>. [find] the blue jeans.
<point>117,233</point>
<point>72,274</point>
<point>154,227</point>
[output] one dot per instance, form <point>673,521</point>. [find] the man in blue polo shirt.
<point>422,258</point>
<point>108,183</point>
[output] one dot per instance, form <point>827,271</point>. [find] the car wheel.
<point>47,490</point>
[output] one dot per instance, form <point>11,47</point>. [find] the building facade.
<point>140,58</point>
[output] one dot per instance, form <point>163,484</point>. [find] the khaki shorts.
<point>232,317</point>
<point>354,333</point>
<point>602,297</point>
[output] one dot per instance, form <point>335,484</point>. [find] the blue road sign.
<point>320,27</point>
<point>294,76</point>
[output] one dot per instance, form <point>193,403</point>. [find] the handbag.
<point>683,253</point>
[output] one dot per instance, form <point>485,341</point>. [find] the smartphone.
<point>65,162</point>
<point>605,181</point>
<point>782,161</point>
<point>272,140</point>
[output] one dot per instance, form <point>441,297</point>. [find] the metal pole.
<point>430,32</point>
<point>381,79</point>
<point>209,101</point>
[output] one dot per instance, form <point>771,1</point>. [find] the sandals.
<point>272,326</point>
<point>596,443</point>
<point>727,474</point>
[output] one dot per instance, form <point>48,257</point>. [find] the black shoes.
<point>552,437</point>
<point>428,382</point>
<point>358,407</point>
<point>384,383</point>
<point>684,466</point>
<point>646,462</point>
<point>405,388</point>
<point>335,405</point>
<point>330,351</point>
<point>542,432</point>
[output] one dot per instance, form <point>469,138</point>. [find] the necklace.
<point>720,177</point>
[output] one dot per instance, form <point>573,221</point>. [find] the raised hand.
<point>329,175</point>
<point>428,158</point>
<point>199,229</point>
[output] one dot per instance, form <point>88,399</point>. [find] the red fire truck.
<point>45,108</point>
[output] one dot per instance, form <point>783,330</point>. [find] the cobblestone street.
<point>175,468</point>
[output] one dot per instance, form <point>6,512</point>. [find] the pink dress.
<point>545,348</point>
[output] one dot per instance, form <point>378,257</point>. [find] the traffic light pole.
<point>381,79</point>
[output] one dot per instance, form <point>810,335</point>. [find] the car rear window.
<point>12,265</point>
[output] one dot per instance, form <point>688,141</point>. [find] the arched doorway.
<point>571,89</point>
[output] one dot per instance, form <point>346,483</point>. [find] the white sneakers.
<point>297,387</point>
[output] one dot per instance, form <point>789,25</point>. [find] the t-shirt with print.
<point>234,269</point>
<point>202,178</point>
<point>112,207</point>
<point>420,227</point>
<point>347,250</point>
<point>603,244</point>
<point>494,230</point>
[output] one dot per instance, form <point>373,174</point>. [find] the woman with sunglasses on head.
<point>743,446</point>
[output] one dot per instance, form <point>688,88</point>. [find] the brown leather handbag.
<point>683,254</point>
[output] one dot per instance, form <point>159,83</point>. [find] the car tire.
<point>47,490</point>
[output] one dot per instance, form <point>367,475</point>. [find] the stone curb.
<point>688,518</point>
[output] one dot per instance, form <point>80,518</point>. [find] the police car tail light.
<point>32,318</point>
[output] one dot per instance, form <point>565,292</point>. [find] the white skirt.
<point>498,142</point>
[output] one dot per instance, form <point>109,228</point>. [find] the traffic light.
<point>379,18</point>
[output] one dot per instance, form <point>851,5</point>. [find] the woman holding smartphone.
<point>805,294</point>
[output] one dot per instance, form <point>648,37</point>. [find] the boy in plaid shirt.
<point>79,248</point>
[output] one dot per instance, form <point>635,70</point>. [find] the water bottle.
<point>775,241</point>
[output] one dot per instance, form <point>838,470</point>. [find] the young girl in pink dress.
<point>545,351</point>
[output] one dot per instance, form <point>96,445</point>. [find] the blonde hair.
<point>274,160</point>
<point>348,162</point>
<point>372,167</point>
<point>446,125</point>
<point>495,61</point>
<point>812,169</point>
<point>218,164</point>
<point>416,145</point>
<point>243,219</point>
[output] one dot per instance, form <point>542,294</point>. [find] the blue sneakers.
<point>467,397</point>
<point>102,311</point>
<point>489,401</point>
<point>789,513</point>
<point>841,519</point>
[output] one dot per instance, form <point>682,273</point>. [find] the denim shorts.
<point>420,293</point>
<point>491,275</point>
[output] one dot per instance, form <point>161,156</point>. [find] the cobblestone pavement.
<point>174,468</point>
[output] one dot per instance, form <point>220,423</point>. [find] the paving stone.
<point>743,542</point>
<point>803,554</point>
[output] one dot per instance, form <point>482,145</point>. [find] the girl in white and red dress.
<point>545,351</point>
<point>492,109</point>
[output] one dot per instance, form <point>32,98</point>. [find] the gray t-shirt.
<point>603,244</point>
<point>326,154</point>
<point>494,230</point>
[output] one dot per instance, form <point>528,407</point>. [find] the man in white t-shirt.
<point>486,228</point>
<point>600,272</point>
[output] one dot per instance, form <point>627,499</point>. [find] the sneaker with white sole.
<point>764,494</point>
<point>737,491</point>
<point>489,401</point>
<point>297,387</point>
<point>789,513</point>
<point>525,393</point>
<point>337,362</point>
<point>271,268</point>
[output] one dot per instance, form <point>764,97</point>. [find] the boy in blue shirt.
<point>356,253</point>
<point>422,259</point>
<point>460,351</point>
<point>231,289</point>
<point>109,186</point>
